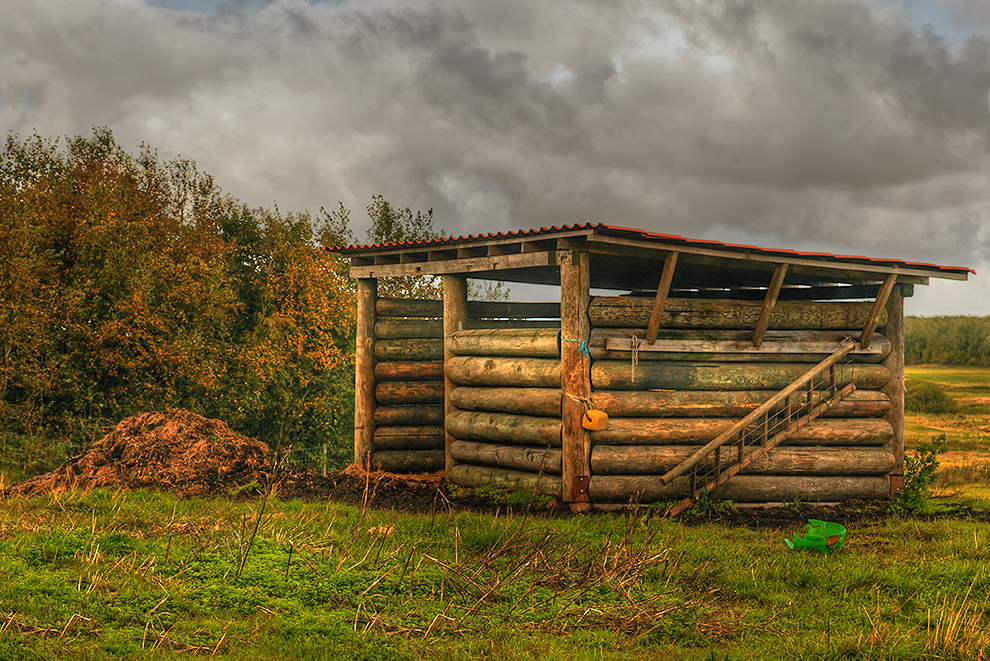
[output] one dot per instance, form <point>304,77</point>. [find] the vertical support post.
<point>454,316</point>
<point>575,375</point>
<point>364,372</point>
<point>894,331</point>
<point>773,291</point>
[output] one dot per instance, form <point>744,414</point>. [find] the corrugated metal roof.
<point>613,230</point>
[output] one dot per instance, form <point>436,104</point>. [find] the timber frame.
<point>663,274</point>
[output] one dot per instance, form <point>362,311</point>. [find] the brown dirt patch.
<point>176,451</point>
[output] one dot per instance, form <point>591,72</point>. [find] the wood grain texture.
<point>741,489</point>
<point>522,401</point>
<point>409,329</point>
<point>391,416</point>
<point>524,342</point>
<point>504,372</point>
<point>533,460</point>
<point>408,461</point>
<point>504,428</point>
<point>690,431</point>
<point>364,372</point>
<point>721,404</point>
<point>423,370</point>
<point>467,475</point>
<point>409,438</point>
<point>401,393</point>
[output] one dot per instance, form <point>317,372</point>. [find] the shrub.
<point>919,474</point>
<point>927,397</point>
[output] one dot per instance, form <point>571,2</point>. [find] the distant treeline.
<point>959,340</point>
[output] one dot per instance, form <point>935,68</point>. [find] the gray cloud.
<point>821,124</point>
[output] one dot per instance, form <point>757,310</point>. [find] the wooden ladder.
<point>772,423</point>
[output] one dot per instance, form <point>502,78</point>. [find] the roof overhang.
<point>629,259</point>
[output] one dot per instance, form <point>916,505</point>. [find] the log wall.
<point>703,373</point>
<point>506,409</point>
<point>409,389</point>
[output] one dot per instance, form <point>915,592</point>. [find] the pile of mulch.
<point>177,451</point>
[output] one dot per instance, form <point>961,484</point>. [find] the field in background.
<point>965,467</point>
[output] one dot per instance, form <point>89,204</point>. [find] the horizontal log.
<point>512,324</point>
<point>409,438</point>
<point>504,428</point>
<point>401,393</point>
<point>722,404</point>
<point>621,375</point>
<point>730,346</point>
<point>634,312</point>
<point>689,431</point>
<point>406,462</point>
<point>409,349</point>
<point>657,460</point>
<point>409,329</point>
<point>423,370</point>
<point>405,307</point>
<point>408,307</point>
<point>533,460</point>
<point>522,401</point>
<point>512,310</point>
<point>408,416</point>
<point>531,343</point>
<point>512,372</point>
<point>741,489</point>
<point>467,475</point>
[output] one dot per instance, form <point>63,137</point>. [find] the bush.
<point>919,474</point>
<point>927,397</point>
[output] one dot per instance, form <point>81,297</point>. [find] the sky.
<point>846,126</point>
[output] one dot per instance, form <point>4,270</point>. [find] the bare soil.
<point>186,454</point>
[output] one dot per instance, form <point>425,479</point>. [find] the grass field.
<point>146,576</point>
<point>965,468</point>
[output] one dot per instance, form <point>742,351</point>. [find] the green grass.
<point>137,575</point>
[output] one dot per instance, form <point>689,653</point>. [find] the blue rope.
<point>583,343</point>
<point>704,501</point>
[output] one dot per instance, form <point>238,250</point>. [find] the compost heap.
<point>176,451</point>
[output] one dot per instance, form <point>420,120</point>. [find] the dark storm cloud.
<point>829,124</point>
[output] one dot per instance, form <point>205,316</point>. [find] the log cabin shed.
<point>669,369</point>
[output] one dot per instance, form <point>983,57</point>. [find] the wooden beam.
<point>364,373</point>
<point>879,305</point>
<point>894,331</point>
<point>666,277</point>
<point>575,380</point>
<point>457,266</point>
<point>768,304</point>
<point>454,316</point>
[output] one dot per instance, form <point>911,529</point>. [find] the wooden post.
<point>575,378</point>
<point>773,291</point>
<point>894,331</point>
<point>661,300</point>
<point>454,316</point>
<point>364,373</point>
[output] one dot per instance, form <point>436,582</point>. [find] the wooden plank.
<point>532,343</point>
<point>634,312</point>
<point>409,438</point>
<point>389,416</point>
<point>773,291</point>
<point>534,460</point>
<point>454,316</point>
<point>656,375</point>
<point>408,462</point>
<point>663,289</point>
<point>521,401</point>
<point>879,307</point>
<point>364,373</point>
<point>575,383</point>
<point>693,431</point>
<point>457,266</point>
<point>466,475</point>
<point>409,329</point>
<point>416,349</point>
<point>431,370</point>
<point>400,393</point>
<point>504,372</point>
<point>715,404</point>
<point>504,428</point>
<point>742,489</point>
<point>731,346</point>
<point>657,460</point>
